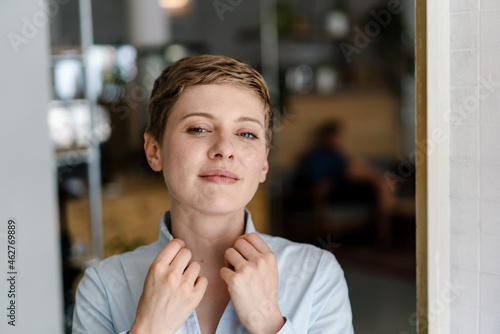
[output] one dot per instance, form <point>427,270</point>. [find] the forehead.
<point>219,99</point>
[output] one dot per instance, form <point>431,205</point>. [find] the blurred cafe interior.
<point>341,74</point>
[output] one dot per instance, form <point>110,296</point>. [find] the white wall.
<point>27,176</point>
<point>464,170</point>
<point>438,224</point>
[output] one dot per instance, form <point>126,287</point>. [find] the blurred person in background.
<point>209,133</point>
<point>326,176</point>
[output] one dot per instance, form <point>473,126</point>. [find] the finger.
<point>234,258</point>
<point>256,241</point>
<point>192,271</point>
<point>226,274</point>
<point>200,286</point>
<point>227,264</point>
<point>246,249</point>
<point>181,259</point>
<point>170,250</point>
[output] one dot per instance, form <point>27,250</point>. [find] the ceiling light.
<point>173,4</point>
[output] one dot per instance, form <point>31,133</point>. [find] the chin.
<point>219,206</point>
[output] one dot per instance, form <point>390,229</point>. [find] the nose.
<point>222,148</point>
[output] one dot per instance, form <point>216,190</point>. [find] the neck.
<point>206,236</point>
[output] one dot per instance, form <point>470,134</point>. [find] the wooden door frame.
<point>433,129</point>
<point>421,171</point>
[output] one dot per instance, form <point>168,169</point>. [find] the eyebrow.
<point>202,114</point>
<point>249,119</point>
<point>210,116</point>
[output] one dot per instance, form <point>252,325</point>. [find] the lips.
<point>219,176</point>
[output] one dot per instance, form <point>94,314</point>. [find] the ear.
<point>265,169</point>
<point>153,152</point>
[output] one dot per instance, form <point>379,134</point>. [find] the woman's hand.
<point>172,290</point>
<point>251,276</point>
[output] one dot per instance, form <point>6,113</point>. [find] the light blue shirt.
<point>312,292</point>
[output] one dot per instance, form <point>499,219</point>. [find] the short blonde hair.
<point>203,70</point>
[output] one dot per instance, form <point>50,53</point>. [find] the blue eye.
<point>196,130</point>
<point>248,135</point>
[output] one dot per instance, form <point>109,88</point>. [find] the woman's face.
<point>214,151</point>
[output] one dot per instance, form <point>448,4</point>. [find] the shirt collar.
<point>166,236</point>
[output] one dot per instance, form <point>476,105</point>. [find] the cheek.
<point>173,155</point>
<point>254,160</point>
<point>176,166</point>
<point>182,158</point>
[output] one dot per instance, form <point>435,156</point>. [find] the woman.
<point>209,132</point>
